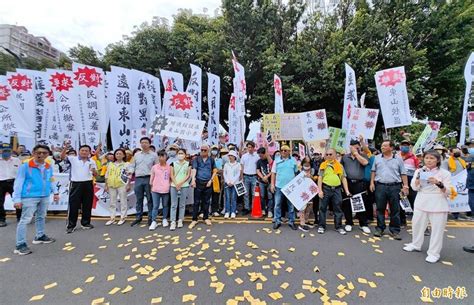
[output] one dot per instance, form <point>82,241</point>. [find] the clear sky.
<point>92,22</point>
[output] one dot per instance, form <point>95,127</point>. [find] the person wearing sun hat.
<point>283,171</point>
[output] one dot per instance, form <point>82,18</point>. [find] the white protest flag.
<point>154,93</point>
<point>195,90</point>
<point>172,82</point>
<point>240,86</point>
<point>468,97</point>
<point>51,127</point>
<point>174,127</point>
<point>278,94</point>
<point>22,93</point>
<point>350,96</point>
<point>470,120</point>
<point>435,128</point>
<point>145,98</point>
<point>235,131</point>
<point>393,97</point>
<point>107,101</point>
<point>461,202</point>
<point>362,122</point>
<point>118,94</point>
<point>11,117</point>
<point>65,101</point>
<point>89,83</point>
<point>213,101</point>
<point>40,87</point>
<point>314,125</point>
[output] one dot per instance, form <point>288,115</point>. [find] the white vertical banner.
<point>22,94</point>
<point>468,97</point>
<point>11,117</point>
<point>393,97</point>
<point>240,86</point>
<point>40,87</point>
<point>213,100</point>
<point>235,131</point>
<point>363,122</point>
<point>51,127</point>
<point>314,125</point>
<point>470,120</point>
<point>65,101</point>
<point>145,99</point>
<point>435,128</point>
<point>89,83</point>
<point>154,100</point>
<point>118,92</point>
<point>350,96</point>
<point>173,83</point>
<point>195,90</point>
<point>107,100</point>
<point>277,85</point>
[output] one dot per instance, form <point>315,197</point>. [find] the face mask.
<point>6,154</point>
<point>306,167</point>
<point>171,154</point>
<point>457,155</point>
<point>405,149</point>
<point>180,157</point>
<point>214,152</point>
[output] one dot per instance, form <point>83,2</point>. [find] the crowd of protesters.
<point>165,178</point>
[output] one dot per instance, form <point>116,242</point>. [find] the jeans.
<point>202,197</point>
<point>178,201</point>
<point>390,193</point>
<point>279,197</point>
<point>6,186</point>
<point>470,194</point>
<point>266,197</point>
<point>157,197</point>
<point>230,199</point>
<point>333,195</point>
<point>355,187</point>
<point>142,188</point>
<point>29,207</point>
<point>250,182</point>
<point>122,193</point>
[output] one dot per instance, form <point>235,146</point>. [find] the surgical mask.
<point>405,149</point>
<point>6,154</point>
<point>181,157</point>
<point>56,154</point>
<point>471,150</point>
<point>214,152</point>
<point>306,167</point>
<point>457,155</point>
<point>171,154</point>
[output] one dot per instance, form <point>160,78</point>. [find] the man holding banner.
<point>354,165</point>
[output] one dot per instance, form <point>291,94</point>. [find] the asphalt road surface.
<point>231,262</point>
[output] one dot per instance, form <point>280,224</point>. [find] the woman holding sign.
<point>433,185</point>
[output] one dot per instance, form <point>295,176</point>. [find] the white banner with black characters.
<point>118,95</point>
<point>213,101</point>
<point>357,203</point>
<point>178,128</point>
<point>194,89</point>
<point>461,202</point>
<point>11,117</point>
<point>393,97</point>
<point>300,191</point>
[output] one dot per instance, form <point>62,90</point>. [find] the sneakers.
<point>87,227</point>
<point>410,248</point>
<point>232,215</point>
<point>216,214</point>
<point>348,228</point>
<point>378,233</point>
<point>192,224</point>
<point>173,226</point>
<point>431,259</point>
<point>165,223</point>
<point>3,224</point>
<point>292,226</point>
<point>70,230</point>
<point>110,222</point>
<point>270,215</point>
<point>201,215</point>
<point>136,222</point>
<point>22,250</point>
<point>180,223</point>
<point>153,226</point>
<point>43,240</point>
<point>276,226</point>
<point>396,236</point>
<point>208,222</point>
<point>366,230</point>
<point>121,222</point>
<point>341,231</point>
<point>303,228</point>
<point>321,230</point>
<point>226,215</point>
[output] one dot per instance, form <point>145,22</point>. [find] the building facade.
<point>19,41</point>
